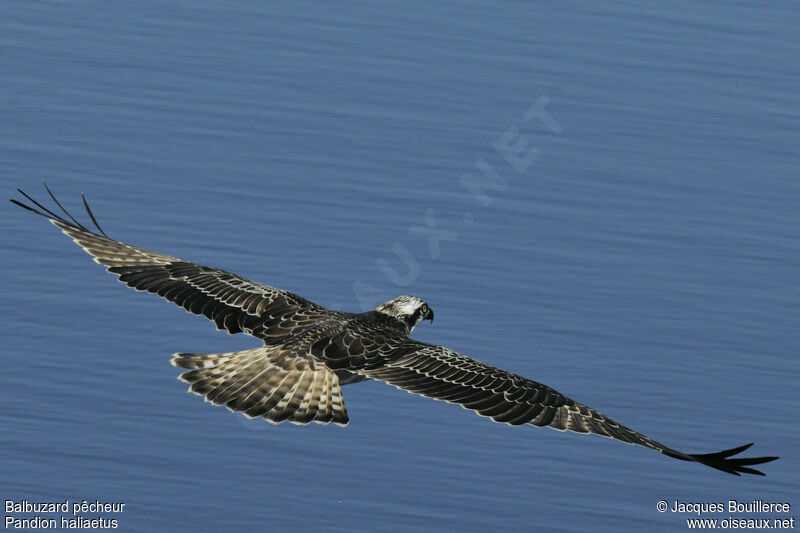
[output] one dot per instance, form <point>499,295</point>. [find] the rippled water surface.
<point>636,245</point>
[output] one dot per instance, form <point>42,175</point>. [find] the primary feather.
<point>309,351</point>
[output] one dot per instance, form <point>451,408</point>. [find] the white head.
<point>409,310</point>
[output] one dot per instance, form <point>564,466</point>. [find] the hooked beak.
<point>429,315</point>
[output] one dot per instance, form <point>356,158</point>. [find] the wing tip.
<point>43,211</point>
<point>723,461</point>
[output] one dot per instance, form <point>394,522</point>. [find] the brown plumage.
<point>309,351</point>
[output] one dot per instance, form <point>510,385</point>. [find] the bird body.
<point>308,351</point>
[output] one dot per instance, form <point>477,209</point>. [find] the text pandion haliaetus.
<point>309,351</point>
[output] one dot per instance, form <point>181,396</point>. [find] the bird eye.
<point>424,308</point>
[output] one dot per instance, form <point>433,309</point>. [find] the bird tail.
<point>266,382</point>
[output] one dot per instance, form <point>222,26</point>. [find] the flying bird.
<point>309,352</point>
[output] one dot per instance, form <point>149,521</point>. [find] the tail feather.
<point>274,392</point>
<point>324,413</point>
<point>309,403</point>
<point>265,398</point>
<point>199,360</point>
<point>238,383</point>
<point>290,403</point>
<point>266,382</point>
<point>215,380</point>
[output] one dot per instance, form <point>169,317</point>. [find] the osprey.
<point>309,351</point>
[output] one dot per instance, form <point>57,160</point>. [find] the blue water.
<point>637,248</point>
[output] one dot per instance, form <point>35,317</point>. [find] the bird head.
<point>409,310</point>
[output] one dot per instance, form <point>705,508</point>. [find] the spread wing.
<point>233,303</point>
<point>443,374</point>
